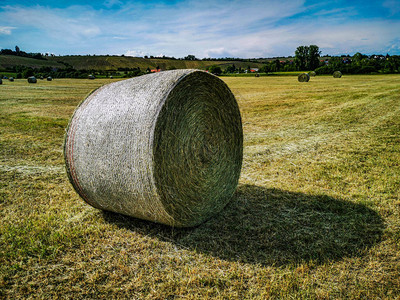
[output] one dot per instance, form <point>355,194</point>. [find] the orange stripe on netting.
<point>70,153</point>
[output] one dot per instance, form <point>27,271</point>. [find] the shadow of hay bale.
<point>274,227</point>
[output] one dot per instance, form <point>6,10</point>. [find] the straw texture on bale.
<point>32,79</point>
<point>337,74</point>
<point>165,147</point>
<point>304,77</point>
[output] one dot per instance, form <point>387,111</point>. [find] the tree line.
<point>360,64</point>
<point>70,72</point>
<point>18,52</point>
<point>307,58</point>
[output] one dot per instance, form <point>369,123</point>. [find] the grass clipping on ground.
<point>164,147</point>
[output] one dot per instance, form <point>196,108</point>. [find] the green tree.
<point>190,57</point>
<point>307,57</point>
<point>277,65</point>
<point>336,63</point>
<point>357,58</point>
<point>300,58</point>
<point>216,70</point>
<point>313,57</point>
<point>27,73</point>
<point>265,69</point>
<point>230,69</point>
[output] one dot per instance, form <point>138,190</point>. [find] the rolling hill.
<point>115,62</point>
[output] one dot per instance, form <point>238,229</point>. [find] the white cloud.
<point>192,28</point>
<point>392,5</point>
<point>218,52</point>
<point>254,28</point>
<point>363,36</point>
<point>111,3</point>
<point>6,30</point>
<point>134,53</point>
<point>77,23</point>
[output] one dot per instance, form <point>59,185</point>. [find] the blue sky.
<point>205,28</point>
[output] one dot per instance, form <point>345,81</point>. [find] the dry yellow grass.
<point>316,214</point>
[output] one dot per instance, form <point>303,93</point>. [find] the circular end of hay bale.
<point>165,147</point>
<point>91,76</point>
<point>304,77</point>
<point>11,79</point>
<point>49,78</point>
<point>32,79</point>
<point>337,74</point>
<point>312,74</point>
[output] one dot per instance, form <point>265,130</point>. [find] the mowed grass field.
<point>316,214</point>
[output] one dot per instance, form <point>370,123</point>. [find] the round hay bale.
<point>32,79</point>
<point>49,78</point>
<point>11,79</point>
<point>257,75</point>
<point>165,147</point>
<point>312,74</point>
<point>304,77</point>
<point>91,76</point>
<point>111,77</point>
<point>337,74</point>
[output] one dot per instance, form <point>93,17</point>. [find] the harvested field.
<point>316,214</point>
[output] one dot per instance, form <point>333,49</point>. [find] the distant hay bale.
<point>312,74</point>
<point>257,75</point>
<point>32,79</point>
<point>337,74</point>
<point>304,77</point>
<point>11,79</point>
<point>165,147</point>
<point>91,76</point>
<point>49,78</point>
<point>111,77</point>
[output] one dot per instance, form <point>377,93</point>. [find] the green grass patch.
<point>316,213</point>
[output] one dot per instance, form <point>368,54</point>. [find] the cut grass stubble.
<point>316,214</point>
